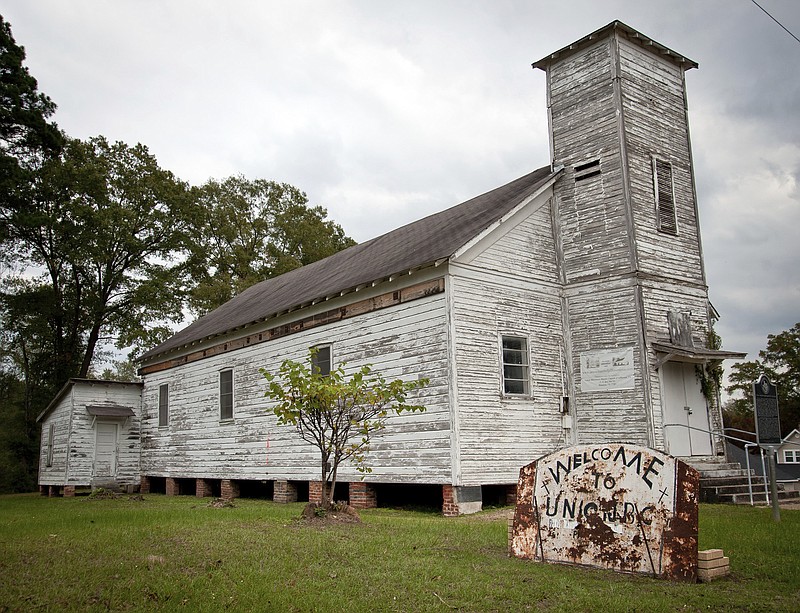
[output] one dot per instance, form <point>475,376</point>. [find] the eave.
<point>628,32</point>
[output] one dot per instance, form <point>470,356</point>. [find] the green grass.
<point>178,553</point>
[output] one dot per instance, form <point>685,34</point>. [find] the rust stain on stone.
<point>616,506</point>
<point>680,538</point>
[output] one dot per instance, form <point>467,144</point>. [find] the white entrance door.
<point>105,450</point>
<point>684,404</point>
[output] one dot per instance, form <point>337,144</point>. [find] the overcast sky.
<point>386,111</point>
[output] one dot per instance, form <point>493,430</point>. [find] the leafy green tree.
<point>245,231</point>
<point>105,230</point>
<point>780,361</point>
<point>337,413</point>
<point>93,258</point>
<point>26,135</point>
<point>27,139</point>
<point>120,370</point>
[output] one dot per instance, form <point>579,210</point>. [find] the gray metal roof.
<point>630,33</point>
<point>410,247</point>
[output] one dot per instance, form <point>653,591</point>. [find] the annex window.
<point>791,456</point>
<point>665,196</point>
<point>163,405</point>
<point>226,394</point>
<point>50,434</point>
<point>321,359</point>
<point>516,373</point>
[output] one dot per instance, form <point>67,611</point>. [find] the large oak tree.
<point>99,241</point>
<point>244,231</point>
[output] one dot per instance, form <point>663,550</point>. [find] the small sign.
<point>618,506</point>
<point>768,423</point>
<point>604,370</point>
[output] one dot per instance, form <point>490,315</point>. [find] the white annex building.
<point>568,306</point>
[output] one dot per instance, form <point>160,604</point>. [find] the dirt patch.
<point>315,515</point>
<point>221,503</point>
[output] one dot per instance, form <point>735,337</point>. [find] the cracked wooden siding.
<point>510,287</point>
<point>658,297</point>
<point>404,341</point>
<point>604,316</point>
<point>655,119</point>
<point>60,418</point>
<point>618,103</point>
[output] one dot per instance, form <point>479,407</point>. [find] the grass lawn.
<point>180,553</point>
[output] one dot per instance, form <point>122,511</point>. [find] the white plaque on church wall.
<point>603,370</point>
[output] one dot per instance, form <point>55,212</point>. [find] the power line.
<point>775,20</point>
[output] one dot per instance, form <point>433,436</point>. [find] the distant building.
<point>787,459</point>
<point>789,450</point>
<point>90,437</point>
<point>568,306</point>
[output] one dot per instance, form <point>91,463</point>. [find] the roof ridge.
<point>411,246</point>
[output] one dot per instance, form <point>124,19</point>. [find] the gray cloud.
<point>384,112</point>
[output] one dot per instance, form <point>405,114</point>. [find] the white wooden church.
<point>567,306</point>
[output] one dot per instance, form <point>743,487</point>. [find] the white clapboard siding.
<point>604,316</point>
<point>594,230</point>
<point>511,288</point>
<point>59,417</point>
<point>405,341</point>
<point>654,110</point>
<point>658,299</point>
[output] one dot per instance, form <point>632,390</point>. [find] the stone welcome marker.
<point>617,506</point>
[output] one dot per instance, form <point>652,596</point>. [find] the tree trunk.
<point>326,497</point>
<point>91,344</point>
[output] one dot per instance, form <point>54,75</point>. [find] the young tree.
<point>337,413</point>
<point>245,231</point>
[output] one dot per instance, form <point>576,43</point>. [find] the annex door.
<point>684,404</point>
<point>105,450</point>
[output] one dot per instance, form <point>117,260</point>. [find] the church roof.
<point>627,32</point>
<point>417,245</point>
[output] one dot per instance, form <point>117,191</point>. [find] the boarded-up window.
<point>163,405</point>
<point>665,196</point>
<point>516,374</point>
<point>226,394</point>
<point>50,435</point>
<point>321,359</point>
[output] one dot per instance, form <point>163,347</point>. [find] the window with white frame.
<point>163,405</point>
<point>791,456</point>
<point>516,372</point>
<point>226,394</point>
<point>321,359</point>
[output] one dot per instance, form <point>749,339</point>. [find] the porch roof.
<point>109,410</point>
<point>698,355</point>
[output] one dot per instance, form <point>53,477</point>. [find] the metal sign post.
<point>768,431</point>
